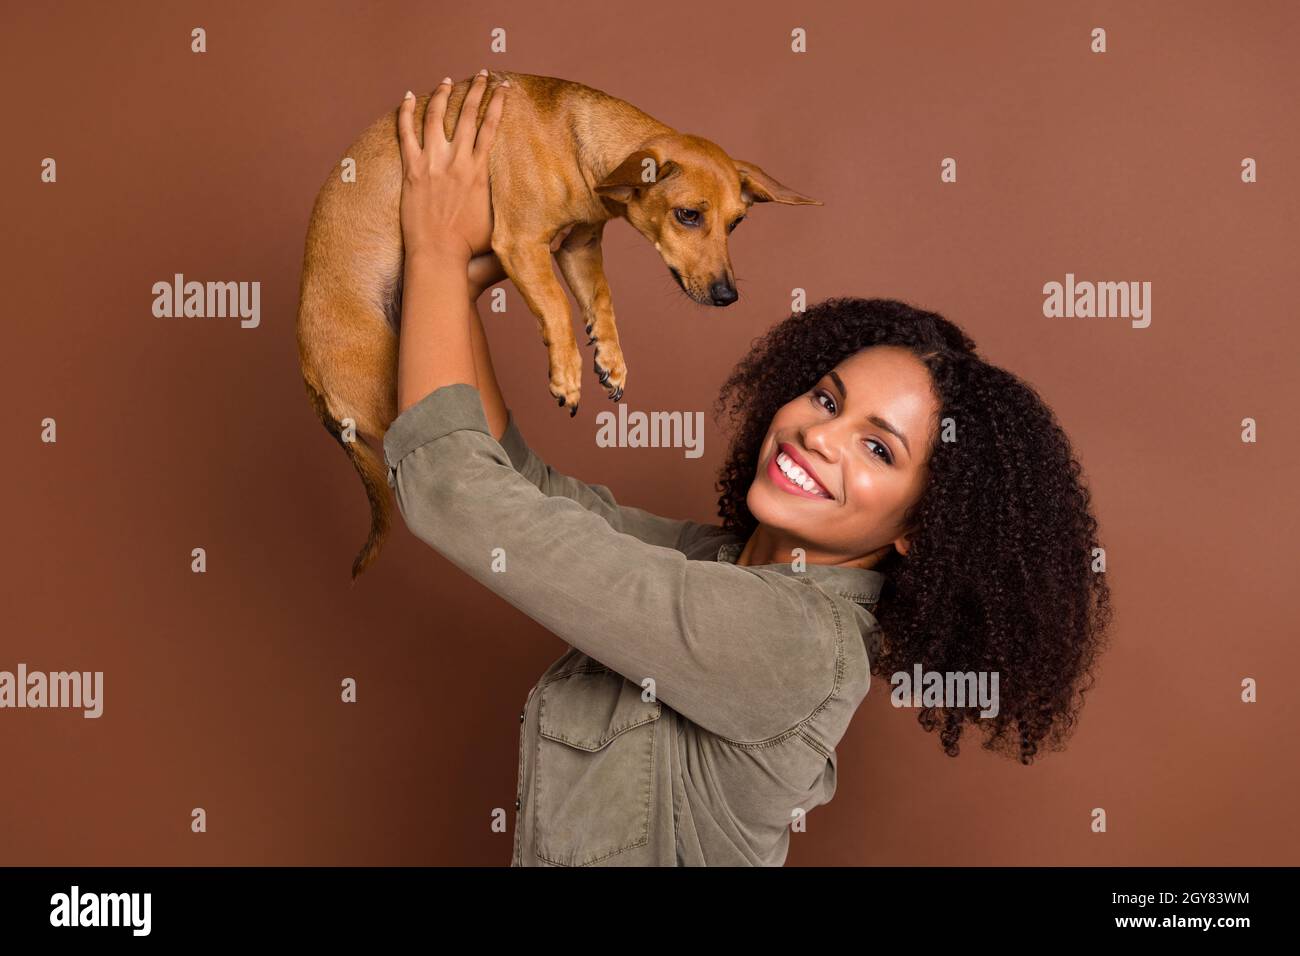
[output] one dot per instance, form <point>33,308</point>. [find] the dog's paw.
<point>610,369</point>
<point>566,386</point>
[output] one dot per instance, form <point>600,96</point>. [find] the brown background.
<point>221,690</point>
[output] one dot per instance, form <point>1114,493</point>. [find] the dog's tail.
<point>374,476</point>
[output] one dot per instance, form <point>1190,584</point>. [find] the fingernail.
<point>409,95</point>
<point>483,72</point>
<point>446,81</point>
<point>505,82</point>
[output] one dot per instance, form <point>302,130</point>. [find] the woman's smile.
<point>787,471</point>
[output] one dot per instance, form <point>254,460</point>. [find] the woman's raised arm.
<point>484,271</point>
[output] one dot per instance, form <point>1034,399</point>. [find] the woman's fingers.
<point>463,139</point>
<point>406,131</point>
<point>488,131</point>
<point>433,117</point>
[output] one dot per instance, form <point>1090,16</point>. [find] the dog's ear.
<point>640,170</point>
<point>758,186</point>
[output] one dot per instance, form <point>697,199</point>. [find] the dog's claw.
<point>618,393</point>
<point>573,411</point>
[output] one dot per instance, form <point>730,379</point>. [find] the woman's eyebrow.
<point>874,419</point>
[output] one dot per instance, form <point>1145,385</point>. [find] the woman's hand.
<point>446,206</point>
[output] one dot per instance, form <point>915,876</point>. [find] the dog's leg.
<point>528,263</point>
<point>582,265</point>
<point>349,365</point>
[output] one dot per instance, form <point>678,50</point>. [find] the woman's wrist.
<point>440,264</point>
<point>436,260</point>
<point>442,253</point>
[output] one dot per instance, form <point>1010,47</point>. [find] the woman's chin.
<point>778,509</point>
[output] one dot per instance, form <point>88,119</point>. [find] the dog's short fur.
<point>566,157</point>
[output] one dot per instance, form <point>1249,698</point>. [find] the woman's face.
<point>863,435</point>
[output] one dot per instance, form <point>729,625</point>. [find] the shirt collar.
<point>860,585</point>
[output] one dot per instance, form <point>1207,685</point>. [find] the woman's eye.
<point>885,456</point>
<point>688,217</point>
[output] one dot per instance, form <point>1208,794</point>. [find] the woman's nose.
<point>822,438</point>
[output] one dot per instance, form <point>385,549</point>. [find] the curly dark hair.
<point>998,574</point>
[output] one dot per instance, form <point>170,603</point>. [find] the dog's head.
<point>685,195</point>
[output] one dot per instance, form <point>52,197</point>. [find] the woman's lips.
<point>785,484</point>
<point>793,454</point>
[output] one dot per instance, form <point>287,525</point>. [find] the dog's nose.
<point>723,293</point>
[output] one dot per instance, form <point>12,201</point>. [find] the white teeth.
<point>797,474</point>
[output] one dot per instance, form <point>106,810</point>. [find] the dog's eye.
<point>735,224</point>
<point>688,217</point>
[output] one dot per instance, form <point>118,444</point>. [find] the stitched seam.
<point>519,787</point>
<point>602,742</point>
<point>839,677</point>
<point>814,745</point>
<point>760,744</point>
<point>579,669</point>
<point>839,655</point>
<point>672,777</point>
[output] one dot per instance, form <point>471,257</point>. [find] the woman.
<point>890,502</point>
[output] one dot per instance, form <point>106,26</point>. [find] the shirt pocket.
<point>595,767</point>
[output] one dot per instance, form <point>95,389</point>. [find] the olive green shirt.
<point>694,719</point>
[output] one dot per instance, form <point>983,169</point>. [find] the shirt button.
<point>516,804</point>
<point>521,716</point>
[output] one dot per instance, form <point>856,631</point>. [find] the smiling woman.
<point>945,474</point>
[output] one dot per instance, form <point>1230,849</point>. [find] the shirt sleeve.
<point>648,527</point>
<point>746,653</point>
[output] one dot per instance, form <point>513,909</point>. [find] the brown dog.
<point>566,157</point>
